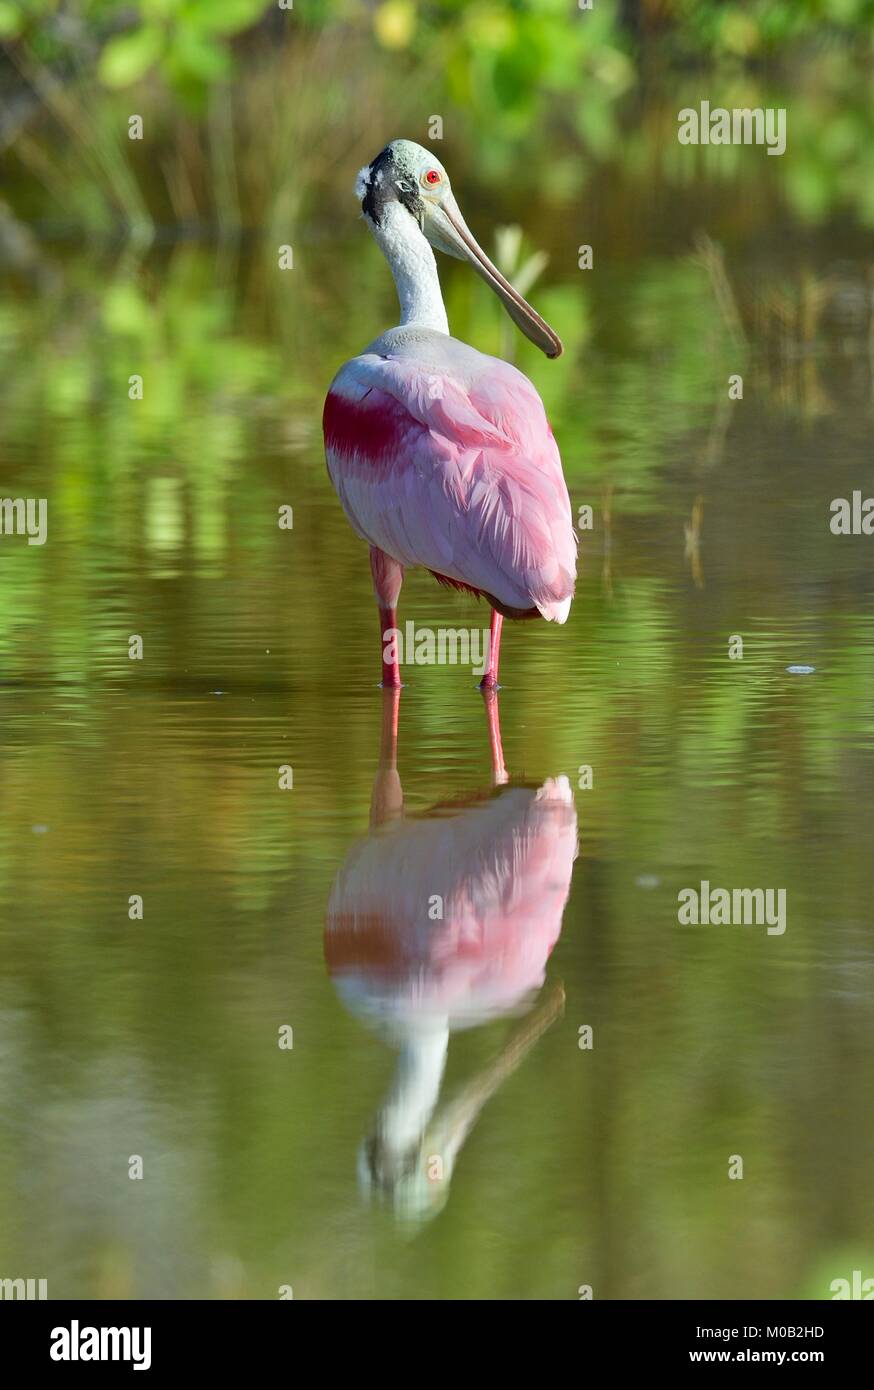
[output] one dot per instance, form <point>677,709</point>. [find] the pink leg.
<point>490,679</point>
<point>388,746</point>
<point>388,576</point>
<point>387,801</point>
<point>500,774</point>
<point>391,671</point>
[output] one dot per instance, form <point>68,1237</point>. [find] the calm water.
<point>306,908</point>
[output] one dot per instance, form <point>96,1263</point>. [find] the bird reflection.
<point>441,922</point>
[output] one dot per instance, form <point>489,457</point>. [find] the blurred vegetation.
<point>247,106</point>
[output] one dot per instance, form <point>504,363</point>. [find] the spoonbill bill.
<point>441,455</point>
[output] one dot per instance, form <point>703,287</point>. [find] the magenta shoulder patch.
<point>375,426</point>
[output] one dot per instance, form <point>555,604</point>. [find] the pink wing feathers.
<point>460,475</point>
<point>503,870</point>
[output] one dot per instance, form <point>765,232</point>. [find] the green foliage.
<point>247,104</point>
<point>760,28</point>
<point>505,56</point>
<point>128,56</point>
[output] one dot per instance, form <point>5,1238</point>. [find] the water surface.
<point>605,1167</point>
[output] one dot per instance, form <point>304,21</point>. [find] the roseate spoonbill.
<point>501,869</point>
<point>442,456</point>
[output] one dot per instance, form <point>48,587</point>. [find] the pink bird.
<point>440,922</point>
<point>442,456</point>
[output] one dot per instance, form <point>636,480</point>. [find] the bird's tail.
<point>556,610</point>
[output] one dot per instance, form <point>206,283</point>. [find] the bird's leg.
<point>490,679</point>
<point>391,671</point>
<point>388,576</point>
<point>500,775</point>
<point>387,802</point>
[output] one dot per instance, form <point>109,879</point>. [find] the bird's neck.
<point>413,267</point>
<point>407,1107</point>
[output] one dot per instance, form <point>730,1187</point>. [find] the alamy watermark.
<point>75,1343</point>
<point>24,516</point>
<point>741,126</point>
<point>855,1288</point>
<point>852,516</point>
<point>735,907</point>
<point>24,1288</point>
<point>448,646</point>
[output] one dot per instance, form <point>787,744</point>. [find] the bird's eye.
<point>432,176</point>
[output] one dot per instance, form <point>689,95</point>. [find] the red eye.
<point>432,176</point>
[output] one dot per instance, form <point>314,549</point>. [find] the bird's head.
<point>399,1179</point>
<point>405,173</point>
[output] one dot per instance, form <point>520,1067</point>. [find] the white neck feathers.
<point>416,1086</point>
<point>413,267</point>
